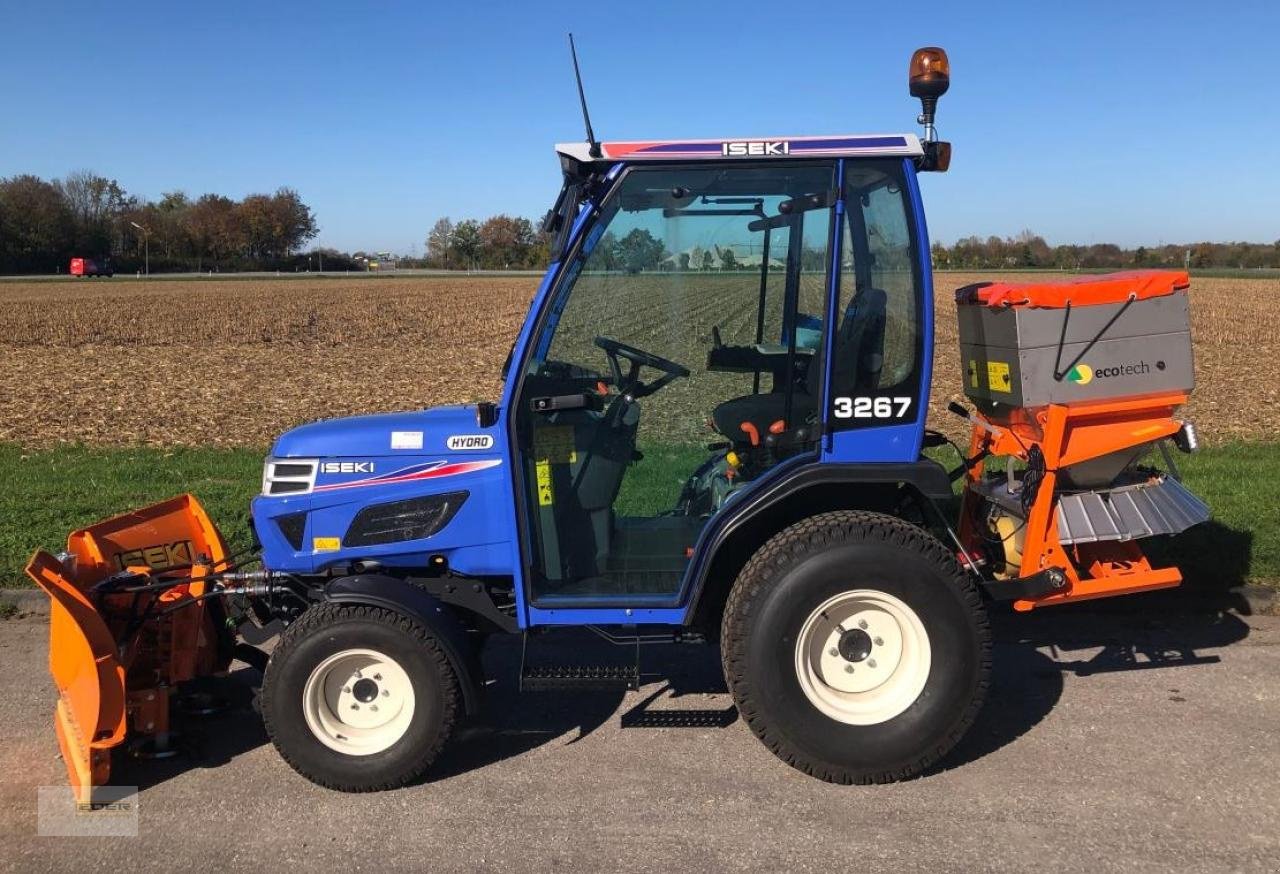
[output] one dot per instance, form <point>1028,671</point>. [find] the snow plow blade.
<point>118,643</point>
<point>90,716</point>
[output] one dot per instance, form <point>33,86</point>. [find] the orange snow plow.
<point>131,620</point>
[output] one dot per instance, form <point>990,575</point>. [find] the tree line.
<point>44,223</point>
<point>1028,250</point>
<point>500,242</point>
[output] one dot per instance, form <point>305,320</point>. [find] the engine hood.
<point>387,434</point>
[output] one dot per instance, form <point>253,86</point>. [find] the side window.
<point>875,372</point>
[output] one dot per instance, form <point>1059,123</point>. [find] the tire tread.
<point>315,620</point>
<point>783,550</point>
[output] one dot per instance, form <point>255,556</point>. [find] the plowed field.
<point>232,363</point>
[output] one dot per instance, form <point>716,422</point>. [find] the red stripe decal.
<point>446,469</point>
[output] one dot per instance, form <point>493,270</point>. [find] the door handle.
<point>555,403</point>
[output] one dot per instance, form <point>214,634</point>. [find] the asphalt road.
<point>1138,741</point>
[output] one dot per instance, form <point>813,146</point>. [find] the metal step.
<point>579,677</point>
<point>699,718</point>
<point>1161,505</point>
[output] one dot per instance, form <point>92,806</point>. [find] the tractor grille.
<point>288,476</point>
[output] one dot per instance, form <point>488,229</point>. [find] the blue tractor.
<point>711,430</point>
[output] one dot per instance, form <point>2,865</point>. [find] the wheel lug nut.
<point>355,706</point>
<point>871,663</point>
<point>862,623</point>
<point>833,651</point>
<point>346,690</point>
<point>378,677</point>
<point>373,707</point>
<point>848,669</point>
<point>386,693</point>
<point>879,641</point>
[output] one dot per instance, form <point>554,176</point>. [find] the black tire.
<point>327,629</point>
<point>795,573</point>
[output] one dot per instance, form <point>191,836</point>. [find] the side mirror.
<point>937,156</point>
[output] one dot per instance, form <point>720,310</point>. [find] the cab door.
<point>883,328</point>
<point>615,425</point>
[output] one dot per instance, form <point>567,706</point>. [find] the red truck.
<point>89,267</point>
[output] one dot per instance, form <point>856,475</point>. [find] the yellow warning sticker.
<point>326,544</point>
<point>998,376</point>
<point>973,373</point>
<point>555,444</point>
<point>545,498</point>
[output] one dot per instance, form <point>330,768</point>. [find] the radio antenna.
<point>592,143</point>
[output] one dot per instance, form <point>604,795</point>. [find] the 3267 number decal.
<point>871,408</point>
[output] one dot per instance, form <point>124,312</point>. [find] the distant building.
<point>377,261</point>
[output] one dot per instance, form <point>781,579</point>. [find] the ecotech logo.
<point>1083,374</point>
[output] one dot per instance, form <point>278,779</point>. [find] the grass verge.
<point>1241,484</point>
<point>50,493</point>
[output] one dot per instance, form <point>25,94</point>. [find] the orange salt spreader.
<point>1076,384</point>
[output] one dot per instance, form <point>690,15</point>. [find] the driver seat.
<point>859,347</point>
<point>860,344</point>
<point>750,418</point>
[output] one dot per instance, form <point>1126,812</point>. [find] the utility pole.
<point>146,245</point>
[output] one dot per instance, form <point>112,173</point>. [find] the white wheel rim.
<point>862,657</point>
<point>358,702</point>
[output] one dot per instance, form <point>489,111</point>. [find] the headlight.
<point>289,476</point>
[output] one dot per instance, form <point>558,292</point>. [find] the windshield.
<point>684,259</point>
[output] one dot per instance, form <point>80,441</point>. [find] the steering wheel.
<point>637,358</point>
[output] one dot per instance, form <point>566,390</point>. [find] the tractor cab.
<point>718,310</point>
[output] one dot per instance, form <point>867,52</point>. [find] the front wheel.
<point>359,698</point>
<point>855,647</point>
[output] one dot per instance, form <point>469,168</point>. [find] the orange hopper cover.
<point>1079,291</point>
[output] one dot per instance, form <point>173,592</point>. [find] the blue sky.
<point>1086,122</point>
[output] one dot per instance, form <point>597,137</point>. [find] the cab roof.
<point>842,146</point>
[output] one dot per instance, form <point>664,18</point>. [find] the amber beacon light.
<point>929,78</point>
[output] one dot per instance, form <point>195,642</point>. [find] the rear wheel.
<point>856,648</point>
<point>359,698</point>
